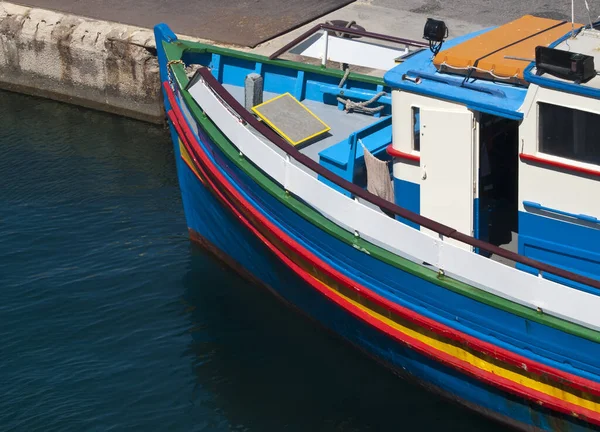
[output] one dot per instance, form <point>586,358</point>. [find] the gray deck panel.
<point>342,124</point>
<point>290,118</point>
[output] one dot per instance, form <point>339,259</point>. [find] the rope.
<point>346,74</point>
<point>358,106</point>
<point>589,14</point>
<point>478,69</point>
<point>170,70</point>
<point>362,106</point>
<point>341,34</point>
<point>349,105</point>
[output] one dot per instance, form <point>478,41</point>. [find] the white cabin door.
<point>447,169</point>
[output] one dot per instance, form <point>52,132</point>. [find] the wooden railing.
<point>386,206</point>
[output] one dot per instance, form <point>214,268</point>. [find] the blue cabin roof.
<point>491,97</point>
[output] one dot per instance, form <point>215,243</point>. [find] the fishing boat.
<point>434,203</point>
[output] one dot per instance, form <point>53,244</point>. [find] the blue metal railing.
<point>583,217</point>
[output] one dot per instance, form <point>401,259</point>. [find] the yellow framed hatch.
<point>291,119</point>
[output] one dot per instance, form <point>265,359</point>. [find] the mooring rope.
<point>358,106</point>
<point>172,62</point>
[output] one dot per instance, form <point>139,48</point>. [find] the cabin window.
<point>416,126</point>
<point>569,133</point>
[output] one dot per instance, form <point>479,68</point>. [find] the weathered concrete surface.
<point>106,66</point>
<point>239,22</point>
<point>377,19</point>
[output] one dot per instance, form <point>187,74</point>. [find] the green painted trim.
<point>377,252</point>
<point>199,48</point>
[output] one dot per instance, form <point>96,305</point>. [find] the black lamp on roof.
<point>435,32</point>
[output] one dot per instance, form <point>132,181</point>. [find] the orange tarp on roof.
<point>515,39</point>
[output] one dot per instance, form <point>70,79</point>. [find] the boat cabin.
<point>496,135</point>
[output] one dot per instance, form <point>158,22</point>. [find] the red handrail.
<point>346,30</point>
<point>402,155</point>
<point>562,165</point>
<point>357,191</point>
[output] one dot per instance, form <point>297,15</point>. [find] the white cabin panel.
<point>447,164</point>
<point>550,186</point>
<point>404,104</point>
<point>402,135</point>
<point>547,186</point>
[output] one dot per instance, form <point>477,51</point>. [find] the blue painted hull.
<point>530,339</point>
<point>225,235</point>
<point>228,238</point>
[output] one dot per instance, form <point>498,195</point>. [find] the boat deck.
<point>342,123</point>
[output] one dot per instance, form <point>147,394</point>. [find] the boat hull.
<point>491,355</point>
<point>216,223</point>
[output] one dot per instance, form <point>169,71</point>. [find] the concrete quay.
<point>106,66</point>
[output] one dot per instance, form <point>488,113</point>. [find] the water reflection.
<point>107,154</point>
<point>266,367</point>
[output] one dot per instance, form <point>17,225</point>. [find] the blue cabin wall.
<point>408,196</point>
<point>558,187</point>
<point>564,244</point>
<point>346,158</point>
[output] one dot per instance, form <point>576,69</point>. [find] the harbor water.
<point>110,319</point>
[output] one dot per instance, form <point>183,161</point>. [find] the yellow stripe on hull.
<point>481,362</point>
<point>188,160</point>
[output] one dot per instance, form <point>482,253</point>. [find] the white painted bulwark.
<point>507,282</point>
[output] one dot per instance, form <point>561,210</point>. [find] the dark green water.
<point>111,320</point>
